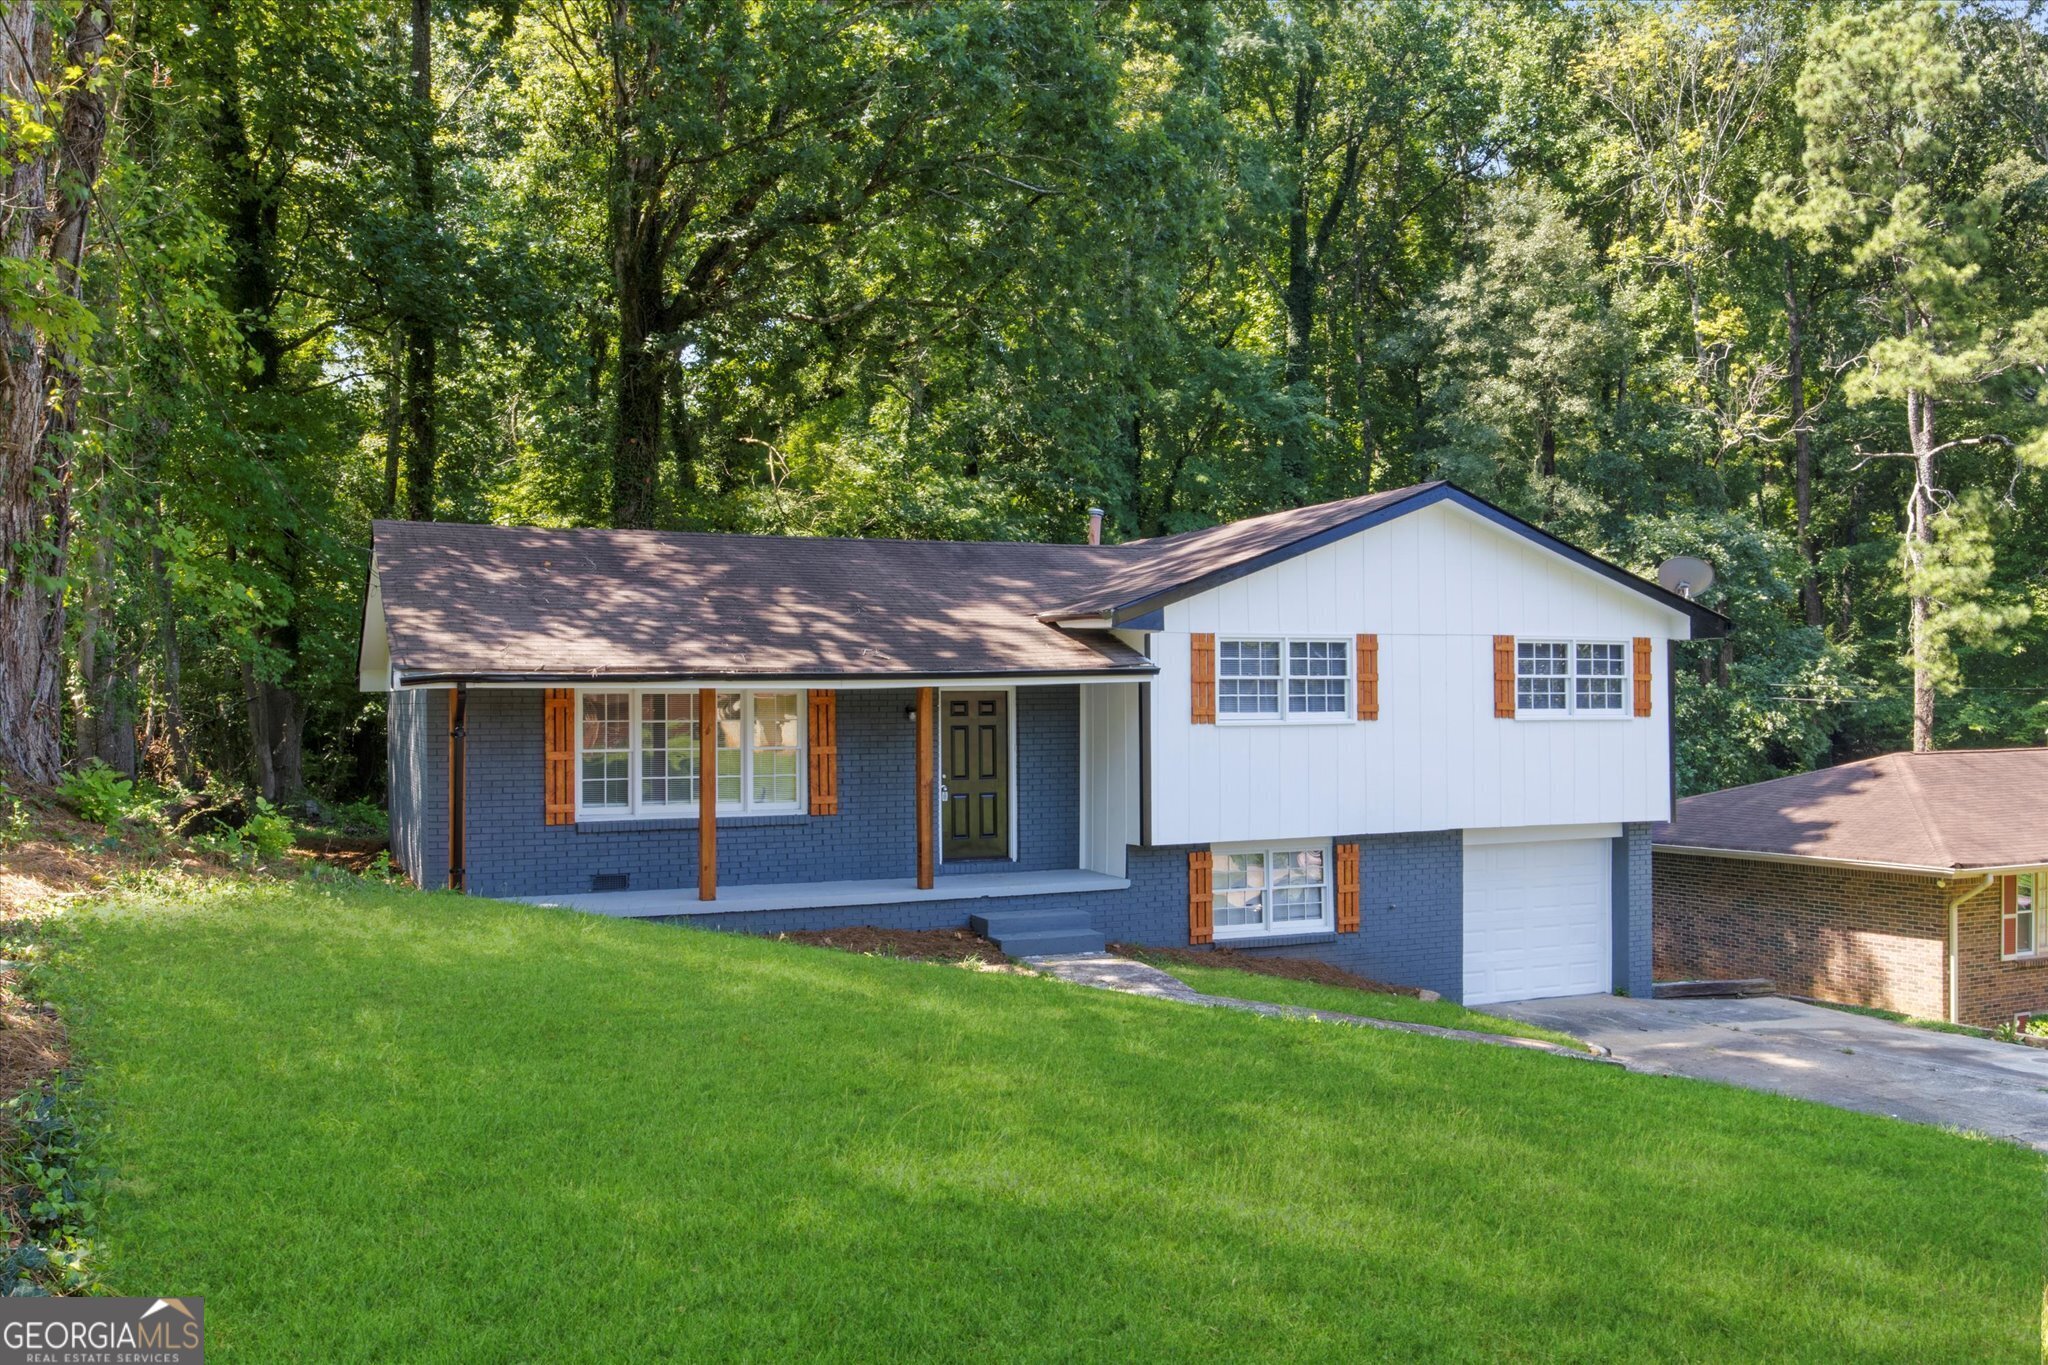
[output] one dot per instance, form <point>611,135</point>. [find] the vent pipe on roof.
<point>1095,526</point>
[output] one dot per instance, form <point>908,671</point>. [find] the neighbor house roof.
<point>496,603</point>
<point>1958,810</point>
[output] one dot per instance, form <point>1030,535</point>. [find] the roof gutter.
<point>844,681</point>
<point>1810,860</point>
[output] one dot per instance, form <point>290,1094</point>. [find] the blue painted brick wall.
<point>1411,923</point>
<point>1632,880</point>
<point>511,852</point>
<point>1411,911</point>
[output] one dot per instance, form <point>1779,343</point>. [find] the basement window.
<point>1269,889</point>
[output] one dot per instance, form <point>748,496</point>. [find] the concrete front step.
<point>1045,945</point>
<point>1028,933</point>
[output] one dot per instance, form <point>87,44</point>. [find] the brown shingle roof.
<point>1956,810</point>
<point>514,602</point>
<point>1151,566</point>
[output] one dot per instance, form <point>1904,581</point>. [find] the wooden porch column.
<point>707,794</point>
<point>924,788</point>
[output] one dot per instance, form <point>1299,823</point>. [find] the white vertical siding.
<point>1109,775</point>
<point>1436,586</point>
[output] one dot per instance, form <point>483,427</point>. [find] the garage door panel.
<point>1538,920</point>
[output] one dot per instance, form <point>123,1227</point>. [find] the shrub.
<point>97,793</point>
<point>56,1184</point>
<point>268,834</point>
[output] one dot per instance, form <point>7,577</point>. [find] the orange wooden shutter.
<point>1368,677</point>
<point>1504,677</point>
<point>558,741</point>
<point>1642,675</point>
<point>1201,897</point>
<point>2010,890</point>
<point>1202,681</point>
<point>824,740</point>
<point>1347,888</point>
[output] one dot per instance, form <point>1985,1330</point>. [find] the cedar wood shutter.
<point>1504,677</point>
<point>824,749</point>
<point>1642,675</point>
<point>2009,892</point>
<point>1368,677</point>
<point>1202,681</point>
<point>558,742</point>
<point>1201,897</point>
<point>1347,888</point>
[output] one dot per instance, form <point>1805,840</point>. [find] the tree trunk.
<point>1920,511</point>
<point>170,661</point>
<point>394,427</point>
<point>1802,450</point>
<point>422,438</point>
<point>643,377</point>
<point>42,225</point>
<point>1298,298</point>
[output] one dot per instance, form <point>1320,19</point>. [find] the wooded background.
<point>1759,282</point>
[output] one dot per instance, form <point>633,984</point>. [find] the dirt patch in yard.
<point>1292,968</point>
<point>929,945</point>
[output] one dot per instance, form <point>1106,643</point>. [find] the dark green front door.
<point>975,764</point>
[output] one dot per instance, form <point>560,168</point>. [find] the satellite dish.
<point>1685,575</point>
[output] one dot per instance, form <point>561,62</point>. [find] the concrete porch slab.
<point>831,895</point>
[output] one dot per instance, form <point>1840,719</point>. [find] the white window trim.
<point>2040,876</point>
<point>1293,928</point>
<point>707,771</point>
<point>1571,691</point>
<point>1345,715</point>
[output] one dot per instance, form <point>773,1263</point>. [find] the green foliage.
<point>965,269</point>
<point>265,838</point>
<point>58,1183</point>
<point>98,793</point>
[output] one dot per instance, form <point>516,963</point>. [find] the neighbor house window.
<point>2019,921</point>
<point>1270,889</point>
<point>641,752</point>
<point>1283,679</point>
<point>1570,677</point>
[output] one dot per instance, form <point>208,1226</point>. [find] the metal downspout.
<point>1955,962</point>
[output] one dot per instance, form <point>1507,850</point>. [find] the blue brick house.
<point>1406,733</point>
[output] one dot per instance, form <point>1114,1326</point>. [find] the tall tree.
<point>1885,178</point>
<point>54,127</point>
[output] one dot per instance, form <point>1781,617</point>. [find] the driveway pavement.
<point>1846,1060</point>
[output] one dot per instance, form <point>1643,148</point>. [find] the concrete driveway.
<point>1846,1060</point>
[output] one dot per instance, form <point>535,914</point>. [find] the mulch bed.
<point>352,854</point>
<point>1292,968</point>
<point>930,945</point>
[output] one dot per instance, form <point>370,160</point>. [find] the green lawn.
<point>375,1125</point>
<point>1276,990</point>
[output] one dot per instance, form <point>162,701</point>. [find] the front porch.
<point>666,904</point>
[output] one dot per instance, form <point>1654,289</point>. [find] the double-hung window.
<point>640,752</point>
<point>1283,679</point>
<point>2019,938</point>
<point>1263,890</point>
<point>1571,677</point>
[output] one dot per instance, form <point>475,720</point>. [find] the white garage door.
<point>1538,920</point>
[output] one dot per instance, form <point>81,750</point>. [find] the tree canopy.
<point>1760,281</point>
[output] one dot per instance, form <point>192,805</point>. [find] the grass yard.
<point>377,1125</point>
<point>1279,990</point>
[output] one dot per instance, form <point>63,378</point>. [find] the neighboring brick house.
<point>1909,882</point>
<point>1406,733</point>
